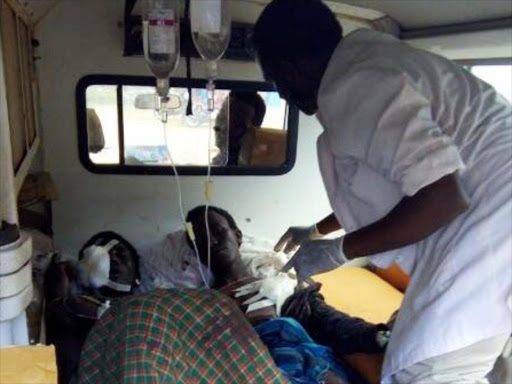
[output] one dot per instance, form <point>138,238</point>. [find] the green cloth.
<point>175,336</point>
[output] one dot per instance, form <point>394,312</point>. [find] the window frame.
<point>124,169</point>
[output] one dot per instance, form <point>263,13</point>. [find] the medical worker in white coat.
<point>416,158</point>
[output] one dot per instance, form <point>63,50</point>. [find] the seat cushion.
<point>361,293</point>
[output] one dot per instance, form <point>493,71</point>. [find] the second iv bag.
<point>211,30</point>
<point>161,31</point>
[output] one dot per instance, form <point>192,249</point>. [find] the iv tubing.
<point>210,92</point>
<point>207,188</point>
<point>180,200</point>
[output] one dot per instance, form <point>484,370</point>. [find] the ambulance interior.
<point>82,149</point>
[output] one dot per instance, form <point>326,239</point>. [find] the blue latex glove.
<point>317,256</point>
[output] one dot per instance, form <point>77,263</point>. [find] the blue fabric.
<point>300,359</point>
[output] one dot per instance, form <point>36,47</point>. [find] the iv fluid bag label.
<point>205,16</point>
<point>162,31</point>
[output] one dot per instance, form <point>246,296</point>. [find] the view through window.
<point>143,137</point>
<point>499,76</point>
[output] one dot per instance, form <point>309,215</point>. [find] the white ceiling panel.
<point>414,14</point>
<point>410,14</point>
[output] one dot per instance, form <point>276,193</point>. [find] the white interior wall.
<point>79,39</point>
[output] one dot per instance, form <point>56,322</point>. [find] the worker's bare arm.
<point>328,225</point>
<point>413,219</point>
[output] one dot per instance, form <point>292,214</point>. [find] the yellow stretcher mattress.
<point>359,292</point>
<point>28,365</point>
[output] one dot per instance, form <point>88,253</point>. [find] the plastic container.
<point>161,40</point>
<point>211,30</point>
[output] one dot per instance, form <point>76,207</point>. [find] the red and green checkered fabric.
<point>176,336</point>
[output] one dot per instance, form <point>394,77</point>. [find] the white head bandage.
<point>94,268</point>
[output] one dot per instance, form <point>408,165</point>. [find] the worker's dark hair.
<point>198,214</point>
<point>296,29</point>
<point>253,99</point>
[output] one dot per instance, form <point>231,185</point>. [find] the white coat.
<point>397,119</point>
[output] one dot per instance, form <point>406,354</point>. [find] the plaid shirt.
<point>175,336</point>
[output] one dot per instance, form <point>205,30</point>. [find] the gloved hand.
<point>295,237</point>
<point>317,256</point>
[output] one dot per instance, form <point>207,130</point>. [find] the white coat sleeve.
<point>385,122</point>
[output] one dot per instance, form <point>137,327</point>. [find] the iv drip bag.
<point>161,41</point>
<point>211,30</point>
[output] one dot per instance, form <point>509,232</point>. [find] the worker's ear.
<point>299,75</point>
<point>239,237</point>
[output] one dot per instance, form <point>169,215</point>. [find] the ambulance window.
<point>102,124</point>
<point>251,130</point>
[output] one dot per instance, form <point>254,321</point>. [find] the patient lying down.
<point>297,355</point>
<point>327,326</point>
<point>305,304</point>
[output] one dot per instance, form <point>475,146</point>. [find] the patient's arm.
<point>345,334</point>
<point>328,225</point>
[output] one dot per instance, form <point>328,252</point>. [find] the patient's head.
<point>109,262</point>
<point>225,239</point>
